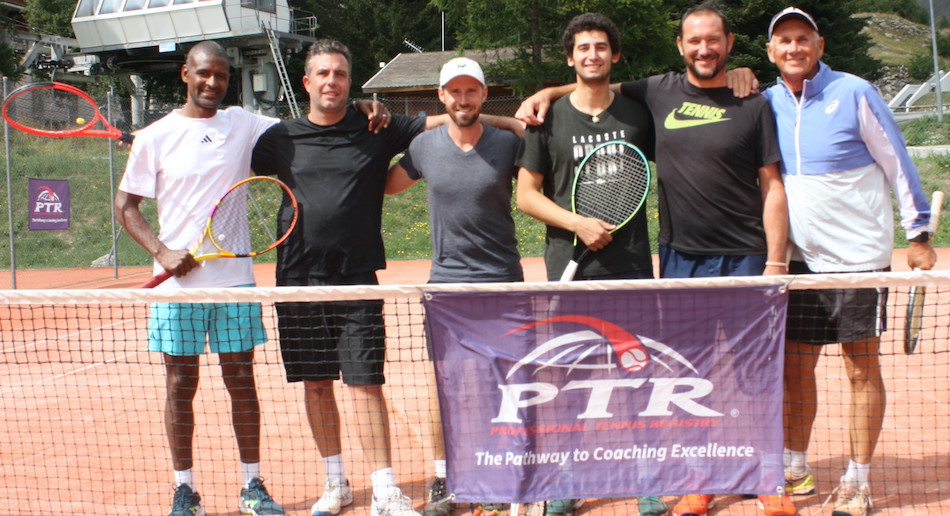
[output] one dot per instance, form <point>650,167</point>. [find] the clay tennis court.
<point>82,430</point>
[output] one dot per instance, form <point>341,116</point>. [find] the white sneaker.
<point>394,505</point>
<point>853,499</point>
<point>335,498</point>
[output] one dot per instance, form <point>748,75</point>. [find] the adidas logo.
<point>207,139</point>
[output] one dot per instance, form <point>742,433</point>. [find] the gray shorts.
<point>834,315</point>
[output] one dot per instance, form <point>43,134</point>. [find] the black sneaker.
<point>256,501</point>
<point>440,502</point>
<point>186,502</point>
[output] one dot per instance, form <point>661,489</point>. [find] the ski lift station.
<point>131,37</point>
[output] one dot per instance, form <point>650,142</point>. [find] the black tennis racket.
<point>243,223</point>
<point>914,320</point>
<point>611,184</point>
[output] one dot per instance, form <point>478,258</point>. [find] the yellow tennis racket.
<point>245,222</point>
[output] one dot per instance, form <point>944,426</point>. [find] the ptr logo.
<point>629,349</point>
<point>47,202</point>
<point>582,349</point>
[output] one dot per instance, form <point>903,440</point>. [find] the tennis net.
<point>84,401</point>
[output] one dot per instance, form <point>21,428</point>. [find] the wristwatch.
<point>922,238</point>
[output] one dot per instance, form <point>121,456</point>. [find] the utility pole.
<point>933,37</point>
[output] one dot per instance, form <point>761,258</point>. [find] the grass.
<point>927,131</point>
<point>84,161</point>
<point>892,50</point>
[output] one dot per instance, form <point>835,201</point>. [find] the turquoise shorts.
<point>181,329</point>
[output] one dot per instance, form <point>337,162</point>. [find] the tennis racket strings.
<point>612,184</point>
<point>245,220</point>
<point>51,109</point>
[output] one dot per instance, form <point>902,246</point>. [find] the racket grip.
<point>569,271</point>
<point>127,138</point>
<point>156,280</point>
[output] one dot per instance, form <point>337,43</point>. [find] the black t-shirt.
<point>709,148</point>
<point>556,148</point>
<point>338,174</point>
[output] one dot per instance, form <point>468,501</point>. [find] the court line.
<point>67,373</point>
<point>68,336</point>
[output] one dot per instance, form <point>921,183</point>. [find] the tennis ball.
<point>80,121</point>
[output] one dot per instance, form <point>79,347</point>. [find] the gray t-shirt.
<point>473,233</point>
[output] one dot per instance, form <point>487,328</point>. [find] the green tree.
<point>533,29</point>
<point>649,27</point>
<point>907,9</point>
<point>51,16</point>
<point>846,47</point>
<point>374,30</point>
<point>9,63</point>
<point>921,66</point>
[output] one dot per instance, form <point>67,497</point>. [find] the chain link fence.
<point>94,167</point>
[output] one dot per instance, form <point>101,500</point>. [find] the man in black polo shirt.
<point>337,169</point>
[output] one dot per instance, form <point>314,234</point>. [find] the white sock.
<point>786,457</point>
<point>798,462</point>
<point>384,484</point>
<point>335,472</point>
<point>250,471</point>
<point>857,473</point>
<point>440,468</point>
<point>186,476</point>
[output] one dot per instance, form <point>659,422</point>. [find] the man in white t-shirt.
<point>186,161</point>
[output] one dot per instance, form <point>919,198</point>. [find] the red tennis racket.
<point>247,221</point>
<point>58,110</point>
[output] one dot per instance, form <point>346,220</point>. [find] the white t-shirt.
<point>186,164</point>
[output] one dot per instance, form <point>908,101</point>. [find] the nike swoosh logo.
<point>672,122</point>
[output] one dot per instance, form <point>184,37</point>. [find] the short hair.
<point>591,21</point>
<point>709,6</point>
<point>327,46</point>
<point>211,48</point>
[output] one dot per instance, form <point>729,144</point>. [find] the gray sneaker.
<point>651,506</point>
<point>490,508</point>
<point>440,501</point>
<point>255,500</point>
<point>186,502</point>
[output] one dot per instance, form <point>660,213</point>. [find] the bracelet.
<point>776,264</point>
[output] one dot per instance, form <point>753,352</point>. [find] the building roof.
<point>419,71</point>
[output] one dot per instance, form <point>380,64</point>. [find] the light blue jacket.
<point>842,155</point>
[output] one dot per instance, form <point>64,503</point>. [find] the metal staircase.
<point>281,69</point>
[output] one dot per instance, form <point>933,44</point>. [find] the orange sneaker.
<point>775,505</point>
<point>694,505</point>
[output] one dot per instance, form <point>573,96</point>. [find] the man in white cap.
<point>468,168</point>
<point>841,153</point>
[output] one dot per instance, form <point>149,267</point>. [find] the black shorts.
<point>321,340</point>
<point>834,315</point>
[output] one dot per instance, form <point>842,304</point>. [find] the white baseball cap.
<point>791,12</point>
<point>458,67</point>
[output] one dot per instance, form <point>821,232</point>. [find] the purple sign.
<point>552,395</point>
<point>49,204</point>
